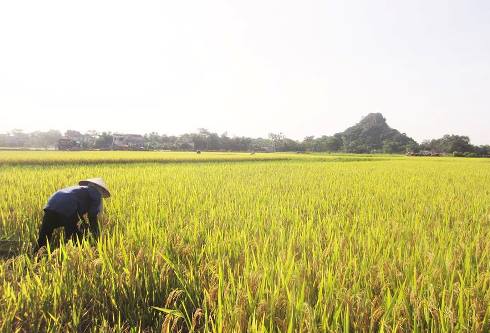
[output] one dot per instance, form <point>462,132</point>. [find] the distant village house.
<point>128,142</point>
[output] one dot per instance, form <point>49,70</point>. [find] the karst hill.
<point>372,134</point>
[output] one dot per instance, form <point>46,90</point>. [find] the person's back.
<point>73,200</point>
<point>67,207</point>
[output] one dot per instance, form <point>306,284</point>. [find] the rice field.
<point>252,243</point>
<point>94,157</point>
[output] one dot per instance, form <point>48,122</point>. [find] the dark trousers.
<point>53,220</point>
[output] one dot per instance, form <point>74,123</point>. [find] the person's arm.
<point>93,224</point>
<point>93,212</point>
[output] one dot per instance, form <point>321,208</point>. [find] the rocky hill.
<point>372,134</point>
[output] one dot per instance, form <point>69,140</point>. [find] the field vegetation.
<point>97,157</point>
<point>252,243</point>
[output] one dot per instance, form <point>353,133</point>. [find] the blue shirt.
<point>75,200</point>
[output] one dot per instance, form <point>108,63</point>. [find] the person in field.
<point>67,207</point>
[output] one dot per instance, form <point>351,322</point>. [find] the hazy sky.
<point>246,67</point>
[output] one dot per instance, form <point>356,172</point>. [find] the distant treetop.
<point>370,135</point>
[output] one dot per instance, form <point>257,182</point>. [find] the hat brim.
<point>105,191</point>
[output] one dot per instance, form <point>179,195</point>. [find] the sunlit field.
<point>223,242</point>
<point>95,157</point>
<point>90,157</point>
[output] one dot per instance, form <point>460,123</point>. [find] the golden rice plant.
<point>310,243</point>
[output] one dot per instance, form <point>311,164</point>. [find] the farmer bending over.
<point>68,206</point>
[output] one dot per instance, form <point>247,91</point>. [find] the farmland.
<point>253,243</point>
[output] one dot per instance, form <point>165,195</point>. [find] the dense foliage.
<point>457,145</point>
<point>371,135</point>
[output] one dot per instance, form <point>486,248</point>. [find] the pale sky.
<point>246,67</point>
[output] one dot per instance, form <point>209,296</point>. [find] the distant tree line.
<point>38,139</point>
<point>370,135</point>
<point>457,145</point>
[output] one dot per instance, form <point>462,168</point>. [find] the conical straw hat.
<point>99,182</point>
